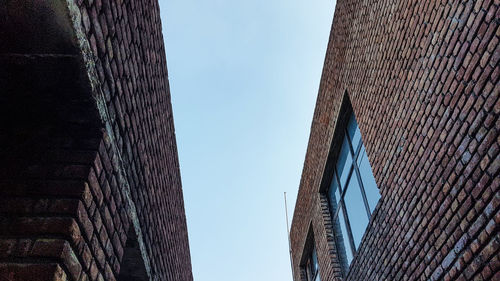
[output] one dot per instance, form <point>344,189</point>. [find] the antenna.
<point>288,231</point>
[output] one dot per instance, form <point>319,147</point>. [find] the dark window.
<point>353,193</point>
<point>312,267</point>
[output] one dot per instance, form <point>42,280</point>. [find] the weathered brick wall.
<point>423,80</point>
<point>90,159</point>
<point>126,41</point>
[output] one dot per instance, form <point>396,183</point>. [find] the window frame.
<point>330,174</point>
<point>312,265</point>
<point>311,270</point>
<point>354,168</point>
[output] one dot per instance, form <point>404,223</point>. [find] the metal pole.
<point>289,242</point>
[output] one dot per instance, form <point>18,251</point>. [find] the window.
<point>352,193</point>
<point>312,267</point>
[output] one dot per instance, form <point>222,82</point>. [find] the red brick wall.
<point>423,80</point>
<point>126,41</point>
<point>89,148</point>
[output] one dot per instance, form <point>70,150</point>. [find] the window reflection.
<point>353,132</point>
<point>344,163</point>
<point>371,189</point>
<point>346,247</point>
<point>333,192</point>
<point>356,210</point>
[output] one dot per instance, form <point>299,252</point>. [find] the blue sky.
<point>244,76</point>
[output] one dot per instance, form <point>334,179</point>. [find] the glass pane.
<point>337,195</point>
<point>317,277</point>
<point>371,189</point>
<point>344,247</point>
<point>314,260</point>
<point>344,162</point>
<point>353,131</point>
<point>356,210</point>
<point>308,270</point>
<point>333,194</point>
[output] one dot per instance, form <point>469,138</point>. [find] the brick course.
<point>422,77</point>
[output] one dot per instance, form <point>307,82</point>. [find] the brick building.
<point>401,176</point>
<point>90,186</point>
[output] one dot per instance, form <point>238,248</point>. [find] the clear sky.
<point>244,76</point>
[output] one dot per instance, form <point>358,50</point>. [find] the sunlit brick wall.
<point>423,80</point>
